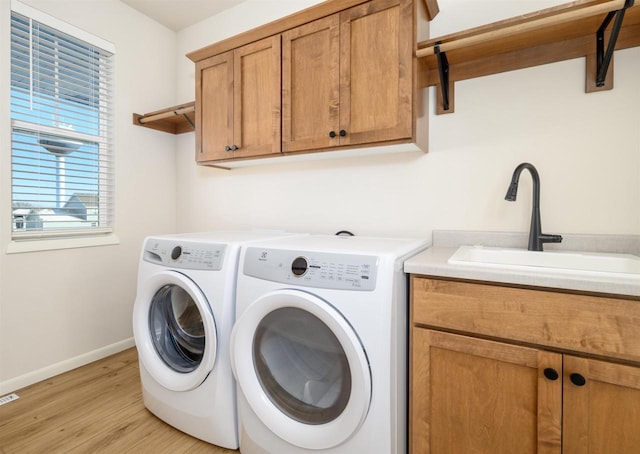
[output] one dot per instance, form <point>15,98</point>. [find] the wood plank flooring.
<point>93,409</point>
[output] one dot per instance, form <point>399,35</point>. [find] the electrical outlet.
<point>8,398</point>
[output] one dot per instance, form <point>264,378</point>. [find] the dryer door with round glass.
<point>301,368</point>
<point>174,331</point>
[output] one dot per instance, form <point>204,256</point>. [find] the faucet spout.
<point>536,237</point>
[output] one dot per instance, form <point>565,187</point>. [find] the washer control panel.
<point>185,254</point>
<point>312,269</point>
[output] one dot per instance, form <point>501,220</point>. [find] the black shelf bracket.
<point>603,57</point>
<point>443,69</point>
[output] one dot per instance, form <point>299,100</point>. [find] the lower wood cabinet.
<point>601,407</point>
<point>472,395</point>
<point>477,396</point>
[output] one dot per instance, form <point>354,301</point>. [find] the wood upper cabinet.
<point>311,85</point>
<point>214,107</point>
<point>348,78</point>
<point>512,394</point>
<point>238,102</point>
<point>341,74</point>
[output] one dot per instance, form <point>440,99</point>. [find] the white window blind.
<point>61,122</point>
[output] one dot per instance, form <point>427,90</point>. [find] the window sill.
<point>16,247</point>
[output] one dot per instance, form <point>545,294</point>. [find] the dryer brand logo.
<point>263,256</point>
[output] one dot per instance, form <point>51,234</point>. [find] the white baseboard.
<point>36,376</point>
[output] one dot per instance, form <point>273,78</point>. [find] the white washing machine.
<point>182,319</point>
<point>319,348</point>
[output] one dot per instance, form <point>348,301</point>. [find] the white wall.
<point>585,146</point>
<point>61,308</point>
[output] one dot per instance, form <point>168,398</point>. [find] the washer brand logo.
<point>263,256</point>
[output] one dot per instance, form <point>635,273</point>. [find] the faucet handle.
<point>546,238</point>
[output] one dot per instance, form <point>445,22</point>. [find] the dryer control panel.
<point>312,269</point>
<point>184,254</point>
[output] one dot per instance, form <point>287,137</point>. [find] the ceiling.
<point>179,14</point>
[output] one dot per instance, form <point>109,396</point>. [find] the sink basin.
<point>558,260</point>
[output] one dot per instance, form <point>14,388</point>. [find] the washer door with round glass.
<point>301,368</point>
<point>174,330</point>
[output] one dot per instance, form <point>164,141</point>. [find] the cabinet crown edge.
<point>296,19</point>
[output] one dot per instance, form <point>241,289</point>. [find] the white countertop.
<point>433,262</point>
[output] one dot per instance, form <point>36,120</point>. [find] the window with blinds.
<point>61,123</point>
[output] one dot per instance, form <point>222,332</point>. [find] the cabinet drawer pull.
<point>551,374</point>
<point>577,379</point>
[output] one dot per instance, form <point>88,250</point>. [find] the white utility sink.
<point>558,260</point>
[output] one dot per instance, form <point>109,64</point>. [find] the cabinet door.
<point>477,396</point>
<point>310,85</point>
<point>238,102</point>
<point>376,72</point>
<point>601,407</point>
<point>214,107</point>
<point>257,94</point>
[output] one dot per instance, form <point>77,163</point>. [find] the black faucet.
<point>536,237</point>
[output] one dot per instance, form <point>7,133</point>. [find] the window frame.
<point>43,239</point>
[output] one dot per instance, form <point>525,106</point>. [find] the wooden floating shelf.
<point>550,35</point>
<point>174,120</point>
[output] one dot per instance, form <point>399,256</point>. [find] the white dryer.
<point>182,319</point>
<point>319,348</point>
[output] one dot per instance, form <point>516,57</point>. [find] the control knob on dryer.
<point>299,266</point>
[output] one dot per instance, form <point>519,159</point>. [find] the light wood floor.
<point>94,409</point>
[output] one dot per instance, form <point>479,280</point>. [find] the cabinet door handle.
<point>577,379</point>
<point>343,133</point>
<point>332,134</point>
<point>551,374</point>
<point>227,148</point>
<point>234,147</point>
